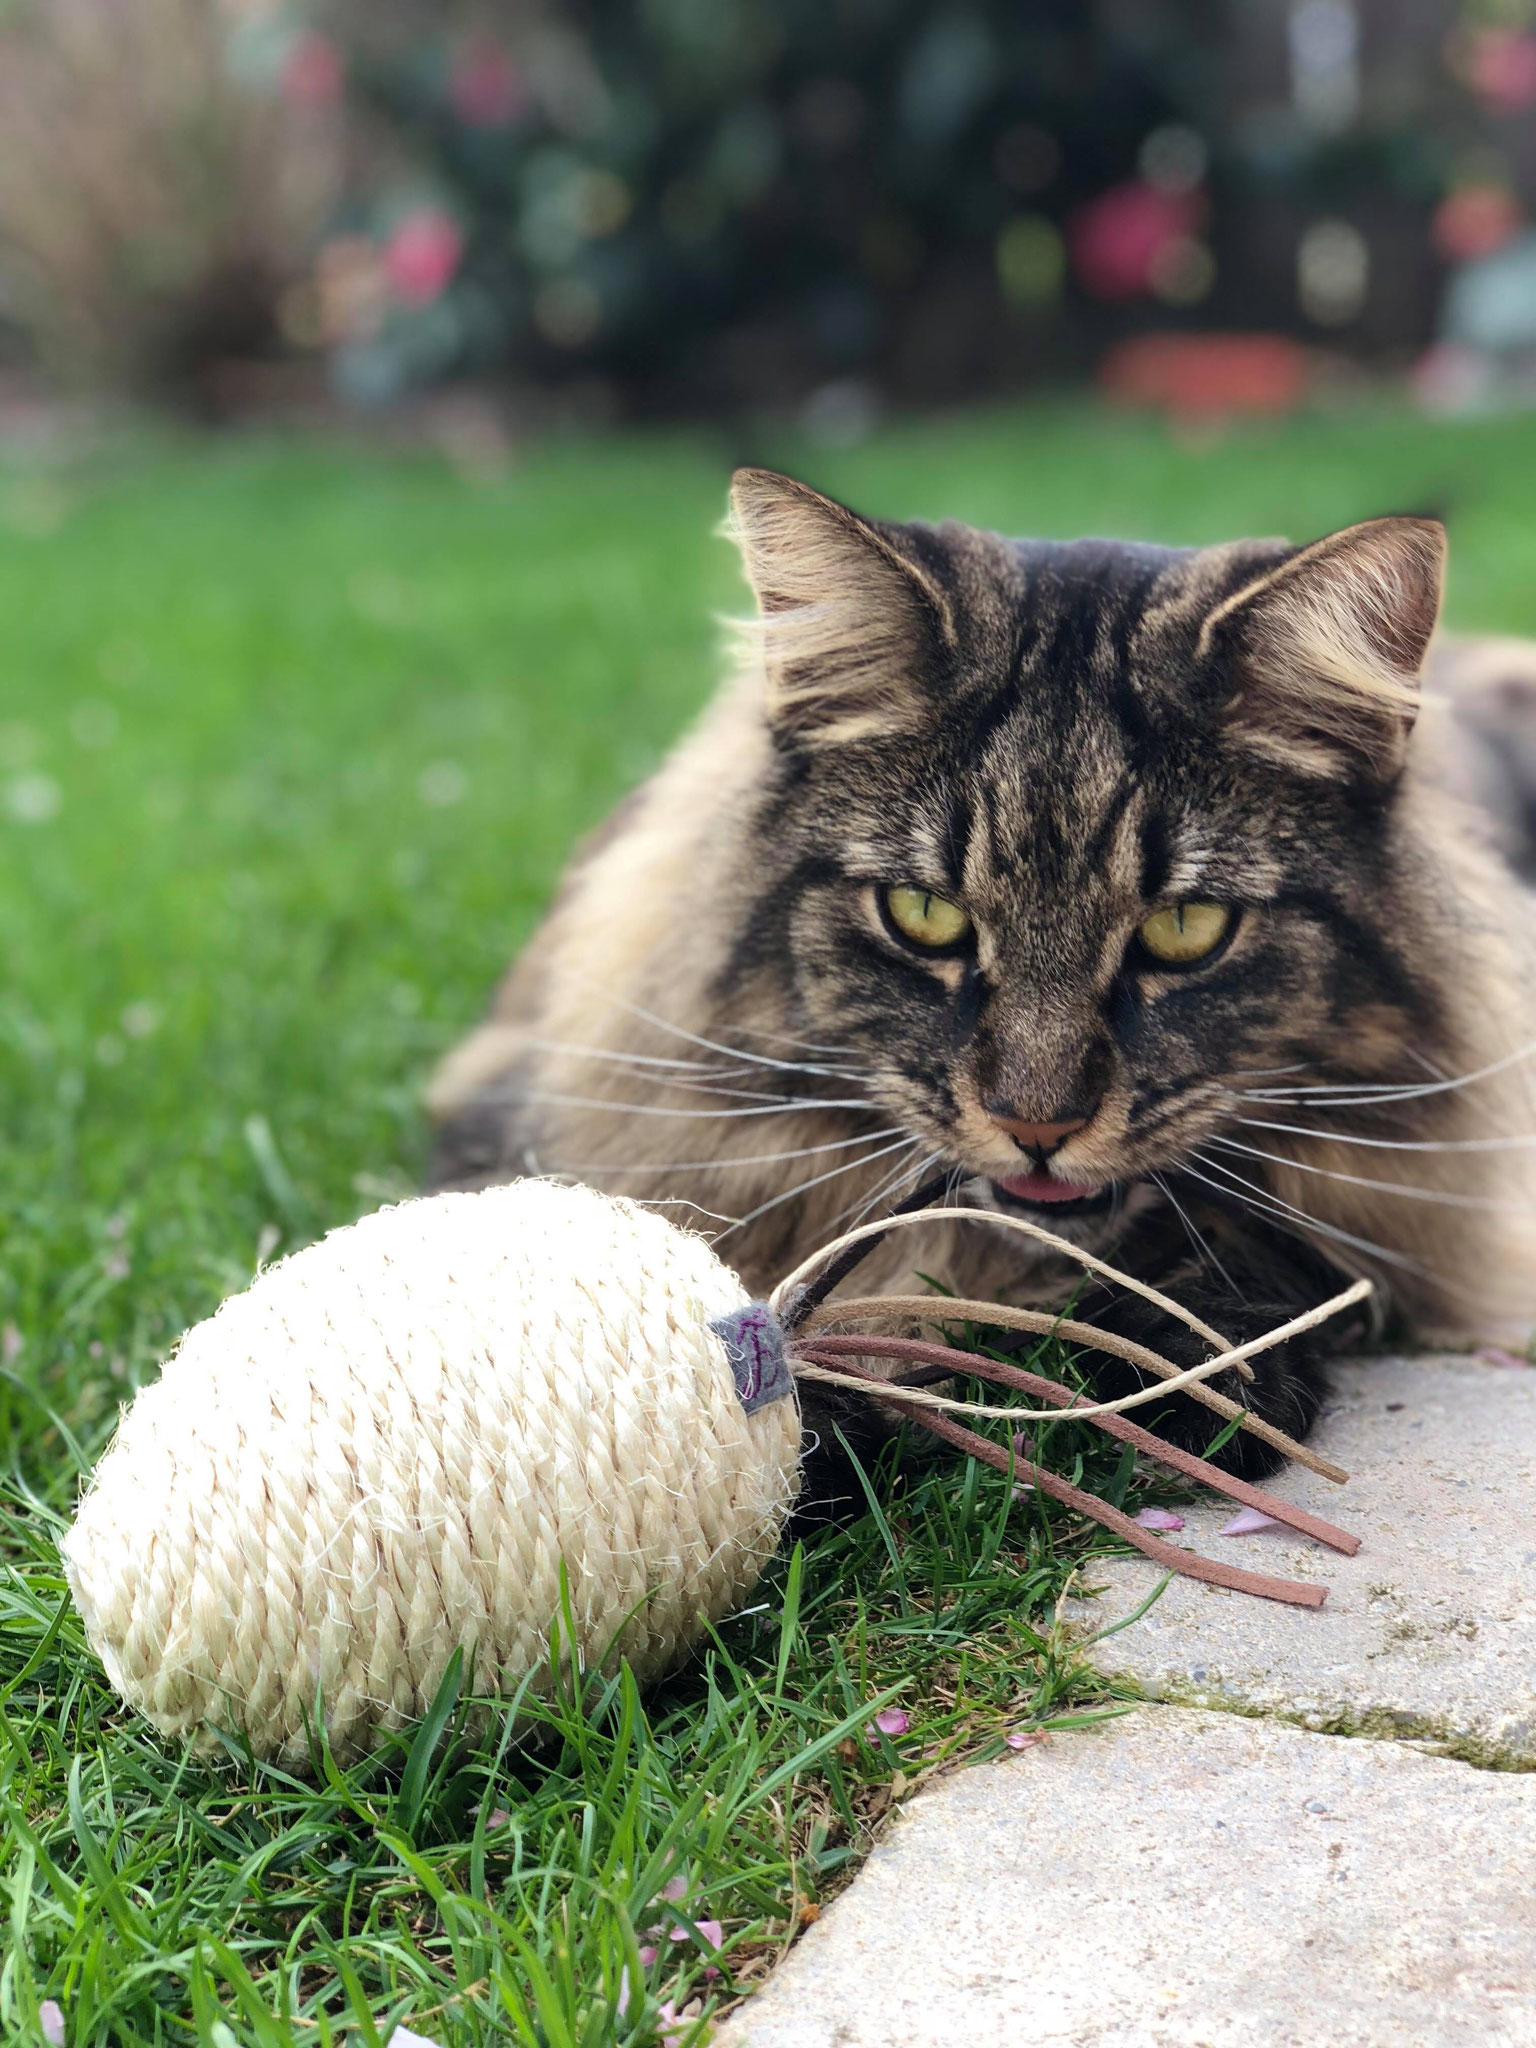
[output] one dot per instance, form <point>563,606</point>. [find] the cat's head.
<point>1071,841</point>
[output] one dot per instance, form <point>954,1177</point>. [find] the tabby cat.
<point>1134,888</point>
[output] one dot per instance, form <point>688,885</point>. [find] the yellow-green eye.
<point>926,919</point>
<point>1186,932</point>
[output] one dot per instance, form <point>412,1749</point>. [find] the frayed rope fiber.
<point>385,1448</point>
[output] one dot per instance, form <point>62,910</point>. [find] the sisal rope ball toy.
<point>396,1443</point>
<point>387,1446</point>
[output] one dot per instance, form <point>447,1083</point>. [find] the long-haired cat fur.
<point>1143,875</point>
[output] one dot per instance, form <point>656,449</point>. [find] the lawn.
<point>292,744</point>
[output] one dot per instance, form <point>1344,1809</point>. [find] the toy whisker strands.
<point>397,1442</point>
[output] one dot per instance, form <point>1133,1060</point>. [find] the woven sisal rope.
<point>384,1449</point>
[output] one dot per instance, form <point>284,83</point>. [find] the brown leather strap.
<point>1188,1563</point>
<point>837,1349</point>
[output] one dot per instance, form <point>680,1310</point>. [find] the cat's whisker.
<point>728,1164</point>
<point>1343,1094</point>
<point>1204,1249</point>
<point>1519,1143</point>
<point>891,1189</point>
<point>1299,1222</point>
<point>1403,1189</point>
<point>610,1056</point>
<point>641,1069</point>
<point>898,1177</point>
<point>843,1052</point>
<point>816,1181</point>
<point>736,1052</point>
<point>787,1106</point>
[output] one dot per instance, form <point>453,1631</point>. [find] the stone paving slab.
<point>1429,1633</point>
<point>1181,1879</point>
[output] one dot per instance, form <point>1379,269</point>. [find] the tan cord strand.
<point>1191,1375</point>
<point>831,1350</point>
<point>1015,1318</point>
<point>1038,1320</point>
<point>807,1267</point>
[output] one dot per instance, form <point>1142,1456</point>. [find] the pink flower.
<point>51,2017</point>
<point>1475,220</point>
<point>1501,68</point>
<point>485,88</point>
<point>889,1721</point>
<point>422,255</point>
<point>1158,1518</point>
<point>1026,1738</point>
<point>312,71</point>
<point>1117,238</point>
<point>648,1955</point>
<point>1249,1522</point>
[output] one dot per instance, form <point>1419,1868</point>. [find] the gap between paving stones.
<point>1179,1879</point>
<point>1426,1645</point>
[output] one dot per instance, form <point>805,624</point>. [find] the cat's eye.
<point>925,919</point>
<point>1185,932</point>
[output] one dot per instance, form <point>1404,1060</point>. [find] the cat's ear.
<point>1326,648</point>
<point>848,626</point>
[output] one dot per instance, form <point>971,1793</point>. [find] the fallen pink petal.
<point>499,1818</point>
<point>675,1888</point>
<point>402,2037</point>
<point>710,1932</point>
<point>622,2003</point>
<point>890,1721</point>
<point>1158,1518</point>
<point>1506,1361</point>
<point>1249,1522</point>
<point>1025,1738</point>
<point>51,2018</point>
<point>648,1955</point>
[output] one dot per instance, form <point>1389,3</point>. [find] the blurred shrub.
<point>698,203</point>
<point>160,183</point>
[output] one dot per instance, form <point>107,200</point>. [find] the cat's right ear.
<point>1326,648</point>
<point>848,626</point>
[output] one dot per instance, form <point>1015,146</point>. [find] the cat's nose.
<point>1042,1139</point>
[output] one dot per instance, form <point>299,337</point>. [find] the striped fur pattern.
<point>1062,738</point>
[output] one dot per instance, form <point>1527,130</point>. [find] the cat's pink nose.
<point>1043,1138</point>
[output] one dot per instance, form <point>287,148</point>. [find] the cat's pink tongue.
<point>1044,1187</point>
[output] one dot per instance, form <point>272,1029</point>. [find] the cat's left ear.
<point>850,627</point>
<point>1326,648</point>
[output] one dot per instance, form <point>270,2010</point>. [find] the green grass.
<point>292,745</point>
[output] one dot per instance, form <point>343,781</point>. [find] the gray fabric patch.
<point>754,1343</point>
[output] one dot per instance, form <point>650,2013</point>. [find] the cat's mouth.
<point>1040,1190</point>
